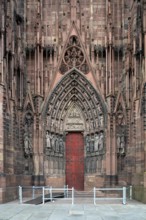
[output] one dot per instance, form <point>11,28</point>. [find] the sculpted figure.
<point>57,144</point>
<point>101,120</point>
<point>87,143</point>
<point>121,144</point>
<point>27,144</point>
<point>91,143</point>
<point>53,139</point>
<point>96,142</point>
<point>101,141</point>
<point>48,139</point>
<point>61,145</point>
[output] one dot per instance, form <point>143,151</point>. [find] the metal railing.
<point>48,193</point>
<point>129,192</point>
<point>31,192</point>
<point>123,197</point>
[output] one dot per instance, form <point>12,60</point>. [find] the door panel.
<point>75,160</point>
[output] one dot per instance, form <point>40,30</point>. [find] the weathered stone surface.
<point>74,66</point>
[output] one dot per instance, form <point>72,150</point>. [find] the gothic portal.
<point>75,118</point>
<point>72,94</point>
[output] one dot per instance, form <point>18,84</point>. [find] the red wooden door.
<point>75,160</point>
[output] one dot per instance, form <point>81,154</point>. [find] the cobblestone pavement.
<point>59,211</point>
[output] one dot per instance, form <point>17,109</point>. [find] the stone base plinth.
<point>55,181</point>
<point>92,181</point>
<point>111,180</point>
<point>9,186</point>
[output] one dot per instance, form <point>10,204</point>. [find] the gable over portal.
<point>74,55</point>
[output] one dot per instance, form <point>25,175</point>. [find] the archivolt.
<point>75,89</point>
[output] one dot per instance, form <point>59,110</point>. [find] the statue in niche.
<point>48,139</point>
<point>120,118</point>
<point>27,143</point>
<point>87,144</point>
<point>101,120</point>
<point>87,126</point>
<point>61,145</point>
<point>96,142</point>
<point>28,138</point>
<point>57,144</point>
<point>121,144</point>
<point>53,139</point>
<point>91,125</point>
<point>96,122</point>
<point>91,143</point>
<point>101,141</point>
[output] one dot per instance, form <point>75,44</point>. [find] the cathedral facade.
<point>72,94</point>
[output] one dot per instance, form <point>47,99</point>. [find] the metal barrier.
<point>30,191</point>
<point>66,191</point>
<point>50,190</point>
<point>129,192</point>
<point>46,193</point>
<point>123,190</point>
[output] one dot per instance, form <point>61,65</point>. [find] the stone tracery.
<point>74,57</point>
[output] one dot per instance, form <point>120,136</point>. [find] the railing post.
<point>130,192</point>
<point>94,192</point>
<point>20,195</point>
<point>33,192</point>
<point>43,195</point>
<point>67,191</point>
<point>51,193</point>
<point>124,195</point>
<point>72,195</point>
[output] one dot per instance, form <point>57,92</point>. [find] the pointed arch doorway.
<point>75,160</point>
<point>74,111</point>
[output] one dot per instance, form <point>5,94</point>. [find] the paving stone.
<point>110,218</point>
<point>72,212</point>
<point>21,217</point>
